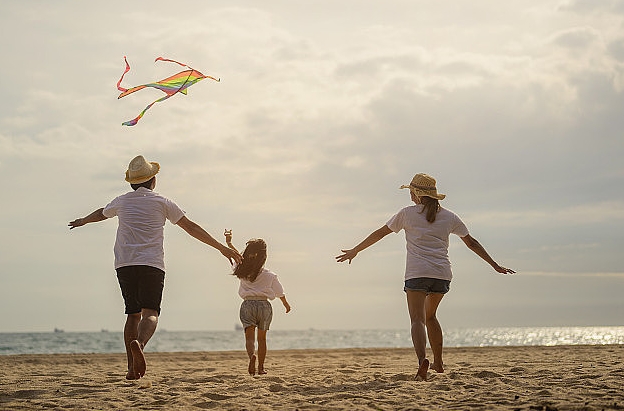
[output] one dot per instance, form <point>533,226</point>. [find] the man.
<point>139,253</point>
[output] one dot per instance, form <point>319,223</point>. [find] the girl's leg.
<point>262,350</point>
<point>250,345</point>
<point>434,330</point>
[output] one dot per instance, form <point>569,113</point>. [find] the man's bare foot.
<point>131,375</point>
<point>421,375</point>
<point>439,368</point>
<point>251,369</point>
<point>138,359</point>
<point>261,370</point>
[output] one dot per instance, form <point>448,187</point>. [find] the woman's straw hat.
<point>424,185</point>
<point>140,171</point>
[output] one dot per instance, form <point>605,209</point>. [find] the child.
<point>257,286</point>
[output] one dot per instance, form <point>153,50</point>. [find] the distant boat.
<point>58,330</point>
<point>104,330</point>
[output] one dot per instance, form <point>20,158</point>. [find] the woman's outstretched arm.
<point>367,242</point>
<point>475,246</point>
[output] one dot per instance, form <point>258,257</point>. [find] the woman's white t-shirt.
<point>427,243</point>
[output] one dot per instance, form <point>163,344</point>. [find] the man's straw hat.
<point>140,171</point>
<point>424,185</point>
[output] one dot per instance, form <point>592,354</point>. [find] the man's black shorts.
<point>141,287</point>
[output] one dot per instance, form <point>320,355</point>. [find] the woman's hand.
<point>347,255</point>
<point>503,270</point>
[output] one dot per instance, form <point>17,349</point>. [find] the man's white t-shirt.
<point>266,285</point>
<point>142,214</point>
<point>427,243</point>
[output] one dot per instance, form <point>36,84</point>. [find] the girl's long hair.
<point>431,206</point>
<point>254,257</point>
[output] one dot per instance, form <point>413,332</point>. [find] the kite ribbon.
<point>137,118</point>
<point>122,76</point>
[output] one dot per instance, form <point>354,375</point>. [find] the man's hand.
<point>231,255</point>
<point>79,222</point>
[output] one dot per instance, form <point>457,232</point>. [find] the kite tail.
<point>122,76</point>
<point>172,61</point>
<point>137,118</point>
<point>130,90</point>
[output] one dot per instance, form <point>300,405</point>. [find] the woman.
<point>428,270</point>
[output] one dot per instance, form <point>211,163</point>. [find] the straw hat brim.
<point>433,193</point>
<point>154,168</point>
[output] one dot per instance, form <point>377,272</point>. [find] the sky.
<point>323,110</point>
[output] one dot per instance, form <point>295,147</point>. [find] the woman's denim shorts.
<point>427,285</point>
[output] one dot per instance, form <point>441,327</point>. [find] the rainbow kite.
<point>178,83</point>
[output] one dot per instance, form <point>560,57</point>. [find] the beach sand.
<point>491,378</point>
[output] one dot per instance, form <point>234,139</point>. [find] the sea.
<point>61,342</point>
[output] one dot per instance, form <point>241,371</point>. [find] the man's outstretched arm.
<point>94,217</point>
<point>195,230</point>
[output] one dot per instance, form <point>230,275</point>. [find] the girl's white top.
<point>265,285</point>
<point>427,243</point>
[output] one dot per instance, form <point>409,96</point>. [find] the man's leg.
<point>250,346</point>
<point>147,326</point>
<point>262,350</point>
<point>434,330</point>
<point>131,333</point>
<point>146,329</point>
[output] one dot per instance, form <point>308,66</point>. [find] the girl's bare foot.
<point>251,369</point>
<point>439,368</point>
<point>261,370</point>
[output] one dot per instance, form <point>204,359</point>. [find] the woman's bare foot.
<point>138,359</point>
<point>261,370</point>
<point>421,375</point>
<point>251,369</point>
<point>439,368</point>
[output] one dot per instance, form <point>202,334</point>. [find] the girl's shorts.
<point>257,313</point>
<point>427,285</point>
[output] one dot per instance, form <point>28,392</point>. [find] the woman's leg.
<point>416,308</point>
<point>262,350</point>
<point>434,330</point>
<point>250,345</point>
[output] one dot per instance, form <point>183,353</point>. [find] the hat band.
<point>424,188</point>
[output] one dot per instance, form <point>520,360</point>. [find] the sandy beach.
<point>492,378</point>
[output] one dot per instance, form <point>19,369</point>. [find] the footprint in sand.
<point>218,397</point>
<point>276,387</point>
<point>487,374</point>
<point>28,394</point>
